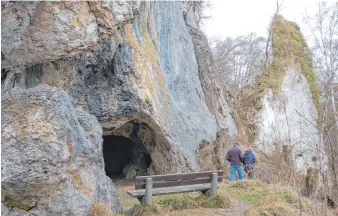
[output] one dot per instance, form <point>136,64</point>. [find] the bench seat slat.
<point>178,183</point>
<point>173,177</point>
<point>170,190</point>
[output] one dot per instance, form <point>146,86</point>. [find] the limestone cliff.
<point>281,108</point>
<point>74,71</point>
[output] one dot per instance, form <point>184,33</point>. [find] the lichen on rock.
<point>74,71</point>
<point>51,154</point>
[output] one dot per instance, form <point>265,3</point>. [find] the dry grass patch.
<point>272,209</point>
<point>264,199</point>
<point>175,202</point>
<point>144,210</point>
<point>100,209</point>
<point>180,202</point>
<point>218,201</point>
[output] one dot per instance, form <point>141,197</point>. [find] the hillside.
<point>251,197</point>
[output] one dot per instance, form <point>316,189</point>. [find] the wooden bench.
<point>148,186</point>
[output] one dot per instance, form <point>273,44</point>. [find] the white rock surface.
<point>290,119</point>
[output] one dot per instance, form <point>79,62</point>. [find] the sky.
<point>234,18</point>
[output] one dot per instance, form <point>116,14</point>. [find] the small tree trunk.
<point>300,204</point>
<point>335,115</point>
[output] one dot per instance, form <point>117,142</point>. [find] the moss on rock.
<point>289,50</point>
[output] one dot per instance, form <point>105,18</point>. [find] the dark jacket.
<point>234,156</point>
<point>249,157</point>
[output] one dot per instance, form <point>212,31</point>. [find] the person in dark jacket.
<point>249,160</point>
<point>234,156</point>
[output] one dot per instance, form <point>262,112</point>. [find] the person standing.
<point>249,160</point>
<point>234,156</point>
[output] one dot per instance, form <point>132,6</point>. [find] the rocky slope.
<point>74,71</point>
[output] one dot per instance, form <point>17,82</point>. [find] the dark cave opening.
<point>124,158</point>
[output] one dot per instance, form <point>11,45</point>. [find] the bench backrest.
<point>160,181</point>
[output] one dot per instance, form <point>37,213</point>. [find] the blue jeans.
<point>239,169</point>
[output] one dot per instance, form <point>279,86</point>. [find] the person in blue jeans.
<point>235,157</point>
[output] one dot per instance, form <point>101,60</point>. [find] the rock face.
<point>73,72</point>
<point>218,100</point>
<point>51,155</point>
<point>281,107</point>
<point>140,68</point>
<point>290,120</point>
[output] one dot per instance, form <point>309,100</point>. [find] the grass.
<point>182,201</point>
<point>259,198</point>
<point>175,202</point>
<point>144,210</point>
<point>218,201</point>
<point>264,199</point>
<point>290,198</point>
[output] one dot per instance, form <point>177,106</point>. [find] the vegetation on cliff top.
<point>289,50</point>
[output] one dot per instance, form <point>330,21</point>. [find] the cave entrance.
<point>124,158</point>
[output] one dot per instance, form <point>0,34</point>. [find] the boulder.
<point>52,159</point>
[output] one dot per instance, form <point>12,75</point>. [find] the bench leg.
<point>149,191</point>
<point>214,181</point>
<point>213,187</point>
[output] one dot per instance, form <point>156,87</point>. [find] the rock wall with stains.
<point>121,63</point>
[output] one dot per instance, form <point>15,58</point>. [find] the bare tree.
<point>239,60</point>
<point>269,39</point>
<point>324,29</point>
<point>198,9</point>
<point>324,32</point>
